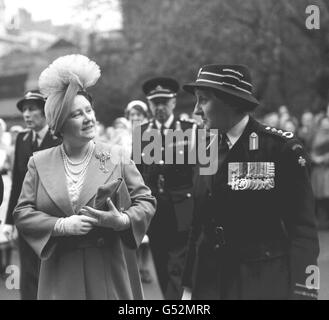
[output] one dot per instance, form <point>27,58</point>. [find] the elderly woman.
<point>87,246</point>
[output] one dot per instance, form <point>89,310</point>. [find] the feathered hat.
<point>61,81</point>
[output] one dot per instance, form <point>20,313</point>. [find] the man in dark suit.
<point>254,233</point>
<point>170,181</point>
<point>37,137</point>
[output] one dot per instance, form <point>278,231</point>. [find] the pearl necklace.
<point>77,177</point>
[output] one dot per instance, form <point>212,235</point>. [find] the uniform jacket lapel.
<point>238,151</point>
<point>48,140</point>
<point>27,143</point>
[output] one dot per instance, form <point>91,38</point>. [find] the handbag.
<point>118,192</point>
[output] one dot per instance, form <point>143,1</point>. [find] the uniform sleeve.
<point>1,190</point>
<point>142,208</point>
<point>16,185</point>
<point>35,226</point>
<point>300,223</point>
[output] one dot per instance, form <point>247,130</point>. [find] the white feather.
<point>58,75</point>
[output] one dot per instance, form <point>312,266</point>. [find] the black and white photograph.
<point>167,151</point>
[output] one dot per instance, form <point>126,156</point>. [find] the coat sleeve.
<point>35,226</point>
<point>299,221</point>
<point>142,208</point>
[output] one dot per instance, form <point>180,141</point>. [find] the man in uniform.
<point>170,182</point>
<point>37,137</point>
<point>254,233</point>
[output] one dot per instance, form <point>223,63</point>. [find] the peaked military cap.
<point>160,87</point>
<point>34,95</point>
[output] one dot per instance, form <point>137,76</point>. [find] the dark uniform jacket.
<point>23,152</point>
<point>1,190</point>
<point>171,183</point>
<point>254,244</point>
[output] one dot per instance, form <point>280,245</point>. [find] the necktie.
<point>35,144</point>
<point>223,150</point>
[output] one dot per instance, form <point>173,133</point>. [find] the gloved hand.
<point>74,225</point>
<point>110,219</point>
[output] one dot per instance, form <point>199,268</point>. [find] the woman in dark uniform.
<point>254,234</point>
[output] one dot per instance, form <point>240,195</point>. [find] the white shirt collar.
<point>167,124</point>
<point>41,133</point>
<point>235,132</point>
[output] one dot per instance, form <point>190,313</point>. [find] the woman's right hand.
<point>78,224</point>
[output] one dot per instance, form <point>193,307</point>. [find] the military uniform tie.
<point>223,150</point>
<point>35,144</point>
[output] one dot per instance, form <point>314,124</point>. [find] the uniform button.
<point>188,195</point>
<point>100,242</point>
<point>181,152</point>
<point>219,230</point>
<point>161,162</point>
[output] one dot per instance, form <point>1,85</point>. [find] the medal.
<point>251,175</point>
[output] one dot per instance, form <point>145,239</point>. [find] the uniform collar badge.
<point>253,142</point>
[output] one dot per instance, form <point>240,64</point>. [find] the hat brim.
<point>21,102</point>
<point>190,88</point>
<point>161,95</point>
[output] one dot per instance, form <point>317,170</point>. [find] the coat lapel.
<point>95,177</point>
<point>54,184</point>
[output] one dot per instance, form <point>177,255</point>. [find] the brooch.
<point>103,157</point>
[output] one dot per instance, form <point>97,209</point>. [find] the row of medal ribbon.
<point>251,175</point>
